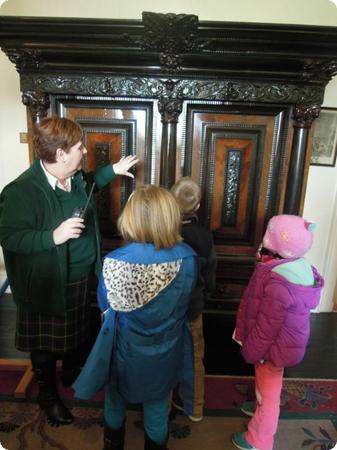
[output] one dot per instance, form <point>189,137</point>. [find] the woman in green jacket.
<point>50,255</point>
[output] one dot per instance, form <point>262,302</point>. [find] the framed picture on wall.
<point>325,138</point>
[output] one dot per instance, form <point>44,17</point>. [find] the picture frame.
<point>324,147</point>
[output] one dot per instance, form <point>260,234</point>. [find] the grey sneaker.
<point>195,418</point>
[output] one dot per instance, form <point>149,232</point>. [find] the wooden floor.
<point>222,353</point>
<point>223,356</point>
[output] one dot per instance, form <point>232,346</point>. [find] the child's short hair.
<point>188,194</point>
<point>151,215</point>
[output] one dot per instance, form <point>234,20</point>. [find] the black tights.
<point>43,359</point>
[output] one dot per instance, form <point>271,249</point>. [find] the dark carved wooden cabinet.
<point>230,104</point>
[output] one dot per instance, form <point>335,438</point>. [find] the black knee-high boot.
<point>44,366</point>
<point>114,439</point>
<point>150,445</point>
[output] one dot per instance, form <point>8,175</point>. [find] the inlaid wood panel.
<point>112,130</point>
<point>102,149</point>
<point>240,161</point>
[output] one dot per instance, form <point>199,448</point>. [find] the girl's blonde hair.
<point>151,215</point>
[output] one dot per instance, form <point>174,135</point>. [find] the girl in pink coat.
<point>273,320</point>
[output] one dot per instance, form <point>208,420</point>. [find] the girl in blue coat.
<point>144,347</point>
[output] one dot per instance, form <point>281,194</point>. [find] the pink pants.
<point>263,425</point>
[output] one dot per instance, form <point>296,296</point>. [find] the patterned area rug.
<point>226,393</point>
<point>308,419</point>
<point>298,395</point>
<point>24,427</point>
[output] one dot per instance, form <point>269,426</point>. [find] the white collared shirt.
<point>53,181</point>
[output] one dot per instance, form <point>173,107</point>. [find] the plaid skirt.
<point>36,331</point>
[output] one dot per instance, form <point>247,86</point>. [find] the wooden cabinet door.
<point>112,129</point>
<point>239,157</point>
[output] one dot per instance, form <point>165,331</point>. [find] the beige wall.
<point>321,197</point>
<point>321,206</point>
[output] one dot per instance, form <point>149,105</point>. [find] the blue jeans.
<point>155,415</point>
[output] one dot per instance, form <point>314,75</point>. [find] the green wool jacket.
<point>29,213</point>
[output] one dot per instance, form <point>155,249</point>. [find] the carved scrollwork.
<point>37,102</point>
<point>242,91</point>
<point>319,70</point>
<point>246,91</point>
<point>170,109</point>
<point>24,58</point>
<point>304,115</point>
<point>94,85</point>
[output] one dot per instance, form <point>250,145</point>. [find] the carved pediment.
<point>172,45</point>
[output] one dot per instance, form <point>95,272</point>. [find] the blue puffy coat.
<point>144,347</point>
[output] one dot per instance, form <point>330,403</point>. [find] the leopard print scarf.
<point>131,286</point>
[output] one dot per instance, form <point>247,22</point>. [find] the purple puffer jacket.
<point>273,320</point>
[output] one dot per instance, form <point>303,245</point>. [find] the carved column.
<point>37,103</point>
<point>170,109</point>
<point>303,116</point>
<point>170,36</point>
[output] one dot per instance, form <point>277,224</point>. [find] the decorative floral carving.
<point>94,85</point>
<point>246,91</point>
<point>170,62</point>
<point>102,158</point>
<point>24,58</point>
<point>304,115</point>
<point>170,33</point>
<point>170,109</point>
<point>242,91</point>
<point>319,70</point>
<point>231,187</point>
<point>37,102</point>
<point>170,84</point>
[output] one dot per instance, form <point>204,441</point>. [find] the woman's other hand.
<point>69,229</point>
<point>124,165</point>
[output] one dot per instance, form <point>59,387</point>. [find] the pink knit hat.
<point>288,236</point>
